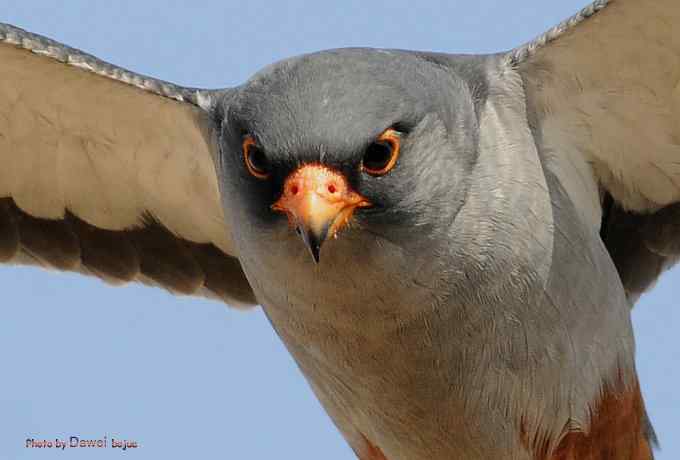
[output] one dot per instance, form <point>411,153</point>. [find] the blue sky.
<point>189,378</point>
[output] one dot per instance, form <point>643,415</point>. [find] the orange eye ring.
<point>381,156</point>
<point>254,158</point>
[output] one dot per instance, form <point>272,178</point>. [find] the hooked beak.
<point>318,202</point>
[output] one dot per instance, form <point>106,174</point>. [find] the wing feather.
<point>606,83</point>
<point>109,172</point>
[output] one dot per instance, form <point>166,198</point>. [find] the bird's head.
<point>348,146</point>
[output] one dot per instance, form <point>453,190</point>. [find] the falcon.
<point>448,245</point>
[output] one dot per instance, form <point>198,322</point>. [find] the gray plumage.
<point>479,308</point>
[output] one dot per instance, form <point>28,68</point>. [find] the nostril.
<point>331,188</point>
<point>294,189</point>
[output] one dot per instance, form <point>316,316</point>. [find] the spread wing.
<point>109,173</point>
<point>607,81</point>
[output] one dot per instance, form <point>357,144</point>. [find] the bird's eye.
<point>256,161</point>
<point>381,156</point>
